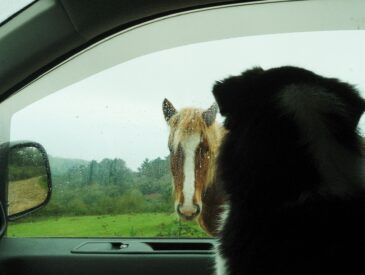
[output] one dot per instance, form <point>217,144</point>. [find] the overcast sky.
<point>117,113</point>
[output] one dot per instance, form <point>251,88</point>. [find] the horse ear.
<point>168,109</point>
<point>210,114</point>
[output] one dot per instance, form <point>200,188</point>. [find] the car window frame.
<point>42,85</point>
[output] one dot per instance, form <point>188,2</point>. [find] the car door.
<point>81,76</point>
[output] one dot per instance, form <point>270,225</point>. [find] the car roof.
<point>50,31</point>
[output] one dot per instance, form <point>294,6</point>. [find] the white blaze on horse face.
<point>189,147</point>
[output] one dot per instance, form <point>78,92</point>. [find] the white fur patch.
<point>220,261</point>
<point>220,264</point>
<point>189,147</point>
<point>223,216</point>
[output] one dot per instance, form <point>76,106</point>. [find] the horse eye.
<point>170,148</point>
<point>203,148</point>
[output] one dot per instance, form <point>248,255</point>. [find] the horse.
<point>193,142</point>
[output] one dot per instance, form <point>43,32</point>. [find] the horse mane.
<point>189,121</point>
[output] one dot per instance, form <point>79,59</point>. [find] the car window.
<point>8,8</point>
<point>107,134</point>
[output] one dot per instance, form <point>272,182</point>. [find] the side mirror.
<point>29,183</point>
<point>3,220</point>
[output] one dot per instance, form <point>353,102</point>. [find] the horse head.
<point>193,143</point>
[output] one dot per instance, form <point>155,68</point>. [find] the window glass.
<point>10,7</point>
<point>107,137</point>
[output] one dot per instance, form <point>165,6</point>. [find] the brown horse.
<point>194,140</point>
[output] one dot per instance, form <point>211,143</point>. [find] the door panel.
<point>146,256</point>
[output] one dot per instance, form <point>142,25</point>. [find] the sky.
<point>117,113</point>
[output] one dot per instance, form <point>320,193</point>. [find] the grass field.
<point>128,225</point>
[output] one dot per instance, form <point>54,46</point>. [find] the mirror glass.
<point>28,180</point>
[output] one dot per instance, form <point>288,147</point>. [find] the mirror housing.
<point>3,220</point>
<point>26,173</point>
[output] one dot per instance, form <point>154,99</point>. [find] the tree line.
<point>25,163</point>
<point>109,187</point>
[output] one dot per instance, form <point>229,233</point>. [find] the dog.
<point>292,165</point>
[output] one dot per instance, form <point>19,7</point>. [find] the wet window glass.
<point>123,160</point>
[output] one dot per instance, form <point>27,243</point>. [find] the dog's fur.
<point>293,168</point>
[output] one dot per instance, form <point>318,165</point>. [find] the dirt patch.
<point>26,194</point>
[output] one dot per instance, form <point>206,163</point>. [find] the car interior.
<point>84,80</point>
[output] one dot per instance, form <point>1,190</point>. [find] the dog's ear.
<point>353,102</point>
<point>334,106</point>
<point>228,92</point>
<point>168,109</point>
<point>225,93</point>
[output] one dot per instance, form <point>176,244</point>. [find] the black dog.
<point>292,165</point>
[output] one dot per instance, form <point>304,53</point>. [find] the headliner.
<point>49,32</point>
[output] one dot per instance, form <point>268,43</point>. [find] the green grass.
<point>128,225</point>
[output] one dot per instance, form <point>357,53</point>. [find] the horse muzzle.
<point>188,212</point>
